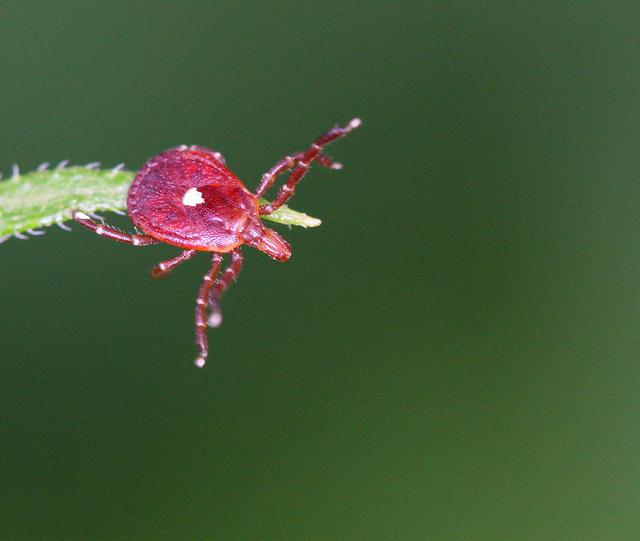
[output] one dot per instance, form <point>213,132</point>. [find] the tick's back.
<point>188,198</point>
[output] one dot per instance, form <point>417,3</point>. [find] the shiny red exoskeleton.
<point>187,197</point>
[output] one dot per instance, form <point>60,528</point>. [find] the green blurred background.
<point>453,355</point>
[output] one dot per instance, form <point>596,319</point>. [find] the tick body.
<point>187,197</point>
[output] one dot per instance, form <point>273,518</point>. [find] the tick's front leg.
<point>303,163</point>
<point>287,163</point>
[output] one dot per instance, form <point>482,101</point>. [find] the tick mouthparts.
<point>271,244</point>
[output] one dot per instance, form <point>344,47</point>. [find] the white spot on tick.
<point>99,230</point>
<point>192,197</point>
<point>200,361</point>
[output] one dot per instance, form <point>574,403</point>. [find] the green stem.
<point>42,198</point>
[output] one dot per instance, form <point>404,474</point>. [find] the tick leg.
<point>303,164</point>
<point>165,267</point>
<point>230,274</point>
<point>110,233</point>
<point>201,309</point>
<point>326,161</point>
<point>287,163</point>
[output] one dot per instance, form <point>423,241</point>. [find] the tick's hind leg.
<point>303,163</point>
<point>201,309</point>
<point>230,274</point>
<point>110,233</point>
<point>165,267</point>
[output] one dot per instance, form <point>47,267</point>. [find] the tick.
<point>188,198</point>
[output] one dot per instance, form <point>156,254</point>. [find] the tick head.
<point>266,240</point>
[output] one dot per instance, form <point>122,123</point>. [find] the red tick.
<point>188,198</point>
